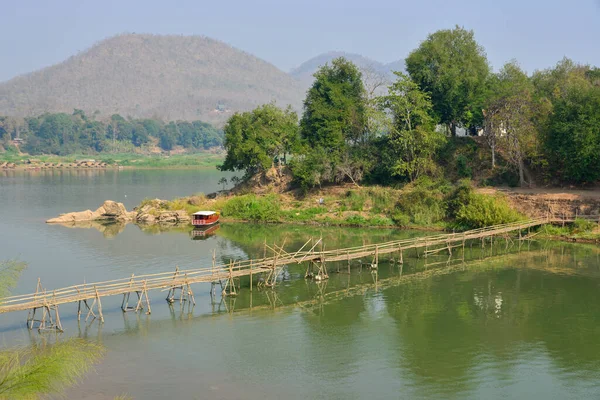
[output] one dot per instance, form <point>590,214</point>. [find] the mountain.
<point>304,73</point>
<point>169,77</point>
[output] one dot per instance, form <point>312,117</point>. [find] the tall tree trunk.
<point>522,182</point>
<point>493,154</point>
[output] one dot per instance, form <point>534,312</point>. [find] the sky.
<point>36,34</point>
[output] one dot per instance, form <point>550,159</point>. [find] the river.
<point>517,320</point>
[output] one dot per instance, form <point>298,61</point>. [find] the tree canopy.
<point>253,139</point>
<point>452,68</point>
<point>64,134</point>
<point>412,137</point>
<point>335,107</point>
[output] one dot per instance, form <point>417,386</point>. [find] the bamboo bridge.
<point>89,296</point>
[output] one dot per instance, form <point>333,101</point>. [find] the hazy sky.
<point>35,34</point>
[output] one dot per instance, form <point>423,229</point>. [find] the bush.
<point>401,219</point>
<point>481,211</point>
<point>355,201</point>
<point>380,221</point>
<point>357,220</point>
<point>422,206</point>
<point>253,208</point>
<point>462,167</point>
<point>582,225</point>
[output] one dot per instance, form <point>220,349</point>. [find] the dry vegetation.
<point>169,77</point>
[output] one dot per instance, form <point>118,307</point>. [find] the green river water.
<point>516,320</point>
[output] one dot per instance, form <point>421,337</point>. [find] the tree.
<point>412,136</point>
<point>573,137</point>
<point>253,139</point>
<point>334,108</point>
<point>223,181</point>
<point>452,68</point>
<point>509,114</point>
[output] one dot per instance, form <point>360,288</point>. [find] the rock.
<point>113,211</point>
<point>79,216</point>
<point>109,211</point>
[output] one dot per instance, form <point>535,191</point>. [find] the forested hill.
<point>164,77</point>
<point>304,73</point>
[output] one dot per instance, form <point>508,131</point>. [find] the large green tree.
<point>335,107</point>
<point>253,139</point>
<point>412,137</point>
<point>573,136</point>
<point>452,68</point>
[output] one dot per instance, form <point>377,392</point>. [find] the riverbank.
<point>209,159</point>
<point>425,205</point>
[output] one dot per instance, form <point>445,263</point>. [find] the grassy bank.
<point>194,160</point>
<point>579,231</point>
<point>423,205</point>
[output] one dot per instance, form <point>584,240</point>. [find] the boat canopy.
<point>205,213</point>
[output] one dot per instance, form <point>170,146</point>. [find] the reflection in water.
<point>108,229</point>
<point>202,233</point>
<point>459,330</point>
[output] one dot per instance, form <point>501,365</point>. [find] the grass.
<point>37,371</point>
<point>424,204</point>
<point>579,230</point>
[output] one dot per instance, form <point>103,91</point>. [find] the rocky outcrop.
<point>152,212</point>
<point>109,211</point>
<point>156,212</point>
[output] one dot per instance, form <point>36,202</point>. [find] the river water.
<point>514,320</point>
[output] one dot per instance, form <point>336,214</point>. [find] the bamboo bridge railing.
<point>48,301</point>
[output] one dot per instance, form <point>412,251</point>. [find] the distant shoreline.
<point>12,161</point>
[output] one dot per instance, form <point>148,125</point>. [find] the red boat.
<point>205,218</point>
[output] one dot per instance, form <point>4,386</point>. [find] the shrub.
<point>422,206</point>
<point>356,220</point>
<point>354,201</point>
<point>481,211</point>
<point>253,208</point>
<point>581,225</point>
<point>401,219</point>
<point>380,221</point>
<point>462,167</point>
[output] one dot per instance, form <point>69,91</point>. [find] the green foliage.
<point>253,208</point>
<point>355,220</point>
<point>462,167</point>
<point>253,139</point>
<point>452,68</point>
<point>573,137</point>
<point>35,372</point>
<point>334,128</point>
<point>581,225</point>
<point>63,134</point>
<point>334,109</point>
<point>311,169</point>
<point>423,205</point>
<point>355,200</point>
<point>401,219</point>
<point>510,117</point>
<point>10,271</point>
<point>479,211</point>
<point>412,136</point>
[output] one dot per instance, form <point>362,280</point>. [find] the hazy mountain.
<point>304,73</point>
<point>170,77</point>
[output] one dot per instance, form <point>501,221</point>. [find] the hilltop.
<point>167,77</point>
<point>304,73</point>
